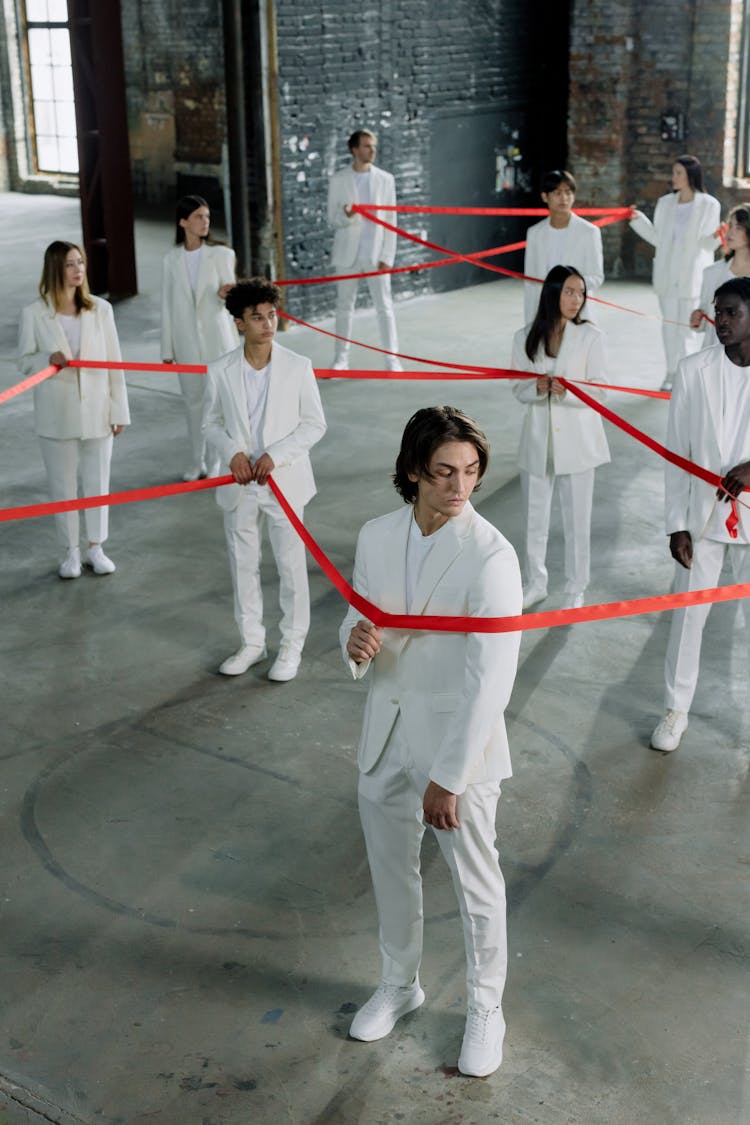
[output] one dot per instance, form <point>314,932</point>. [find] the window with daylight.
<point>51,86</point>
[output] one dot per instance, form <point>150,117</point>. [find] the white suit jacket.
<point>342,193</point>
<point>681,272</point>
<point>694,429</point>
<point>196,328</point>
<point>583,250</point>
<point>450,688</point>
<point>73,403</point>
<point>293,421</point>
<point>575,430</point>
<point>713,276</point>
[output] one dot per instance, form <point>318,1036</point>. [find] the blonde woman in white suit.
<point>195,326</point>
<point>76,413</point>
<point>685,234</point>
<point>562,439</point>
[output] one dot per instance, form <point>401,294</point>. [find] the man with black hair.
<point>434,749</point>
<point>561,239</point>
<point>262,415</point>
<point>360,246</point>
<point>709,424</point>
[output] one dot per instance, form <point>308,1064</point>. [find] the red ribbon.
<point>617,213</point>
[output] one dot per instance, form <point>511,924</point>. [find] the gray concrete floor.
<point>186,921</point>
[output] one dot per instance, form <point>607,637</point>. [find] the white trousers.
<point>346,298</point>
<point>678,341</point>
<point>686,628</point>
<point>62,459</point>
<point>244,529</point>
<point>390,808</point>
<point>192,387</point>
<point>576,498</point>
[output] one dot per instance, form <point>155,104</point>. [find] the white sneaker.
<point>243,659</point>
<point>70,567</point>
<point>572,601</point>
<point>285,666</point>
<point>482,1048</point>
<point>98,561</point>
<point>340,365</point>
<point>378,1017</point>
<point>195,472</point>
<point>669,731</point>
<point>534,594</point>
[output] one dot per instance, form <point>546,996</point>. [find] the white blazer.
<point>73,403</point>
<point>576,431</point>
<point>679,270</point>
<point>342,193</point>
<point>450,688</point>
<point>713,276</point>
<point>292,424</point>
<point>196,328</point>
<point>694,428</point>
<point>583,250</point>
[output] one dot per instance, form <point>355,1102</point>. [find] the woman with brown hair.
<point>76,413</point>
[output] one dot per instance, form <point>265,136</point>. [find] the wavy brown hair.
<point>424,432</point>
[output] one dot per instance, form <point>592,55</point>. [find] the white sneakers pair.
<point>70,567</point>
<point>482,1046</point>
<point>284,668</point>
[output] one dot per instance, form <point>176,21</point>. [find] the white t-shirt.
<point>193,262</point>
<point>418,547</point>
<point>735,421</point>
<point>256,389</point>
<point>71,326</point>
<point>557,242</point>
<point>681,219</point>
<point>362,182</point>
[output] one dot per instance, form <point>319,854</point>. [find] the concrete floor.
<point>186,921</point>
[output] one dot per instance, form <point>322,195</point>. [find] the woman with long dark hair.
<point>76,412</point>
<point>197,274</point>
<point>562,439</point>
<point>684,232</point>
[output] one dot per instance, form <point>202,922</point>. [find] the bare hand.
<point>224,290</point>
<point>241,469</point>
<point>735,482</point>
<point>681,548</point>
<point>636,214</point>
<point>383,266</point>
<point>58,359</point>
<point>696,319</point>
<point>348,210</point>
<point>263,468</point>
<point>116,431</point>
<point>543,384</point>
<point>167,361</point>
<point>557,390</point>
<point>439,807</point>
<point>364,642</point>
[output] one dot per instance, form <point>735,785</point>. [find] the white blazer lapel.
<point>713,387</point>
<point>204,265</point>
<point>394,563</point>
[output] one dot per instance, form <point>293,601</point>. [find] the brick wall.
<point>630,64</point>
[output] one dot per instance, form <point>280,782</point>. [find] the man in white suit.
<point>360,246</point>
<point>562,239</point>
<point>434,749</point>
<point>262,415</point>
<point>709,423</point>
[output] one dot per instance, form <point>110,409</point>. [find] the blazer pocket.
<point>445,701</point>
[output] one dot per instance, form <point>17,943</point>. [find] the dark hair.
<point>548,313</point>
<point>184,210</point>
<point>737,286</point>
<point>52,281</point>
<point>424,432</point>
<point>552,180</point>
<point>249,292</point>
<point>741,216</point>
<point>692,166</point>
<point>357,136</point>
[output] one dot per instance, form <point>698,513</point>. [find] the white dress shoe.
<point>285,666</point>
<point>70,567</point>
<point>378,1017</point>
<point>572,601</point>
<point>340,365</point>
<point>243,659</point>
<point>98,561</point>
<point>195,472</point>
<point>534,594</point>
<point>482,1048</point>
<point>669,731</point>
